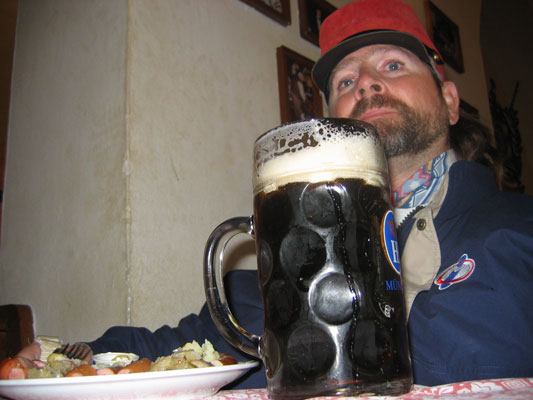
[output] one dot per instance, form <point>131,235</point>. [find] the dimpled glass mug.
<point>328,264</point>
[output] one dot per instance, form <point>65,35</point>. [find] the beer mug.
<point>328,264</point>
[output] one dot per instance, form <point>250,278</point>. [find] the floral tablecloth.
<point>500,389</point>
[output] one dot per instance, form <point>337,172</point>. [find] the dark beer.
<point>329,265</point>
<point>333,302</point>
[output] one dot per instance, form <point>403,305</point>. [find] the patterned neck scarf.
<point>418,190</point>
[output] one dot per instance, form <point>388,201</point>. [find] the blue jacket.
<point>476,322</point>
<point>476,319</point>
<point>242,292</point>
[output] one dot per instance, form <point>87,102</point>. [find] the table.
<point>501,389</point>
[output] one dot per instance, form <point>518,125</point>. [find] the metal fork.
<point>78,350</point>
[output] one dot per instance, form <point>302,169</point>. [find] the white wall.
<point>130,139</point>
<point>202,86</point>
<point>63,239</point>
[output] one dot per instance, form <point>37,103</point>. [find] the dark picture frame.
<point>278,10</point>
<point>445,34</point>
<point>299,98</point>
<point>312,14</point>
<point>468,109</point>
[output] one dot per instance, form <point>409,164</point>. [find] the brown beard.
<point>415,132</point>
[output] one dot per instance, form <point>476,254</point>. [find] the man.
<point>466,249</point>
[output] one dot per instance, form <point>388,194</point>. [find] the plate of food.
<point>188,373</point>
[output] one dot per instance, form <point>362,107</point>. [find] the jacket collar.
<point>466,185</point>
<point>469,183</point>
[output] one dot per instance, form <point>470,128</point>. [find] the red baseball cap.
<point>367,22</point>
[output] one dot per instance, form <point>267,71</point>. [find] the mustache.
<point>377,101</point>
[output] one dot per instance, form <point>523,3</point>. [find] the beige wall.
<point>472,84</point>
<point>202,85</point>
<point>63,236</point>
<point>130,139</point>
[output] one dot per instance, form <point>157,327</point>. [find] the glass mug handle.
<point>217,303</point>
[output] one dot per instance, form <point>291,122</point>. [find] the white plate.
<point>183,384</point>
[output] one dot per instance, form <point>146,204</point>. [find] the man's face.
<point>395,91</point>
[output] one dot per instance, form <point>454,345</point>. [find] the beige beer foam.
<point>335,156</point>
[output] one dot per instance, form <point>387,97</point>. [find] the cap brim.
<point>325,64</point>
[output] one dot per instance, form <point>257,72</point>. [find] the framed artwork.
<point>468,109</point>
<point>299,98</point>
<point>445,35</point>
<point>278,10</point>
<point>312,14</point>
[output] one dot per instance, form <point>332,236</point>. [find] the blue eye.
<point>393,66</point>
<point>345,83</point>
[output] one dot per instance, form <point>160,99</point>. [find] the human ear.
<point>451,97</point>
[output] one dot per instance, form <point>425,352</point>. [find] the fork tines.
<point>77,351</point>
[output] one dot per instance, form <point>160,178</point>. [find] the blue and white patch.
<point>389,241</point>
<point>458,272</point>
